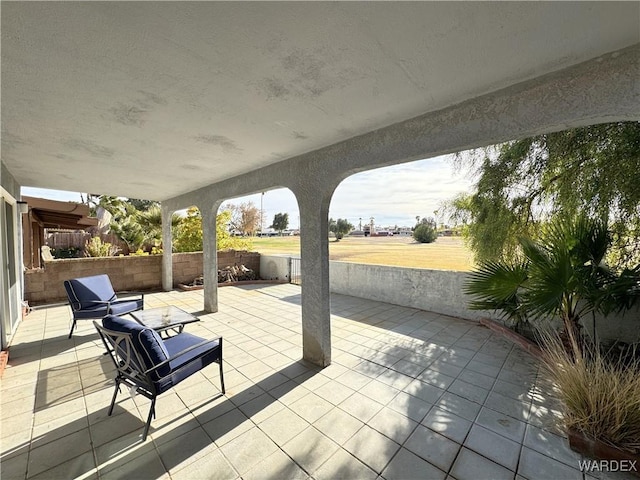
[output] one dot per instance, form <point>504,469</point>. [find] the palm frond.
<point>497,286</point>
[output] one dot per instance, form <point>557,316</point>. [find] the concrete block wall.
<point>126,273</point>
<point>239,257</point>
<point>186,267</point>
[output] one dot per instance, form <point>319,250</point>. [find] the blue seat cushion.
<point>84,292</point>
<point>122,307</point>
<point>146,342</point>
<point>94,312</point>
<point>189,363</point>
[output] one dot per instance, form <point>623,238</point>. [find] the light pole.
<point>261,212</point>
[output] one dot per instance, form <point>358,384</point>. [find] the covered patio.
<point>409,394</point>
<point>194,103</point>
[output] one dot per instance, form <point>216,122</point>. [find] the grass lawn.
<point>446,253</point>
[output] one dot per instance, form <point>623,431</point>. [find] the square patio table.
<point>162,318</point>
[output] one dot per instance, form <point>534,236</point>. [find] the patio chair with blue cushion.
<point>94,297</point>
<point>151,365</point>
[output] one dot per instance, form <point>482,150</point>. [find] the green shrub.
<point>425,233</point>
<point>69,252</point>
<point>97,248</point>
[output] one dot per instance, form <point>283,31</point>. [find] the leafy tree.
<point>226,241</point>
<point>340,227</point>
<point>245,218</point>
<point>143,205</point>
<point>425,231</point>
<point>280,222</point>
<point>189,234</point>
<point>524,183</point>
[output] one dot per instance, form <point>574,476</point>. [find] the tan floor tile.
<point>360,407</point>
<point>146,466</point>
<point>183,450</point>
<point>283,426</point>
<point>372,448</point>
<point>58,427</point>
<point>228,426</point>
<point>55,453</point>
<point>248,449</point>
<point>15,445</point>
<point>276,465</point>
<point>311,407</point>
<point>262,425</point>
<point>406,465</point>
<point>436,449</point>
<point>310,449</point>
<point>212,466</point>
<point>393,425</point>
<point>15,467</point>
<point>82,466</point>
<point>344,466</point>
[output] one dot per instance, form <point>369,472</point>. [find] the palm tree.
<point>151,222</point>
<point>499,286</point>
<point>562,274</point>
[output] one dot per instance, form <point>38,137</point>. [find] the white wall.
<point>437,291</point>
<point>275,267</point>
<point>623,327</point>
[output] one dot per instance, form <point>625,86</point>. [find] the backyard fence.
<point>61,239</point>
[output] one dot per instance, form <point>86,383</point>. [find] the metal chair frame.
<point>128,362</point>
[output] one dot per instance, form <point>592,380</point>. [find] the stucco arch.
<point>601,90</point>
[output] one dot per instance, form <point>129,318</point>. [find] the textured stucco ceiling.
<point>152,99</point>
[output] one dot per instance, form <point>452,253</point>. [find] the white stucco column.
<point>314,266</point>
<point>210,257</point>
<point>167,249</point>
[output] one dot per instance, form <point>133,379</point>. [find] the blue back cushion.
<point>83,292</point>
<point>146,342</point>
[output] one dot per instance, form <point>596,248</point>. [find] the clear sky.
<point>392,195</point>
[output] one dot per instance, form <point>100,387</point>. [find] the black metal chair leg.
<point>115,394</point>
<point>73,326</point>
<point>152,413</point>
<point>221,377</point>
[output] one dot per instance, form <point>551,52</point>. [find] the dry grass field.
<point>446,253</point>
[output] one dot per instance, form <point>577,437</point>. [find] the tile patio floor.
<point>410,394</point>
